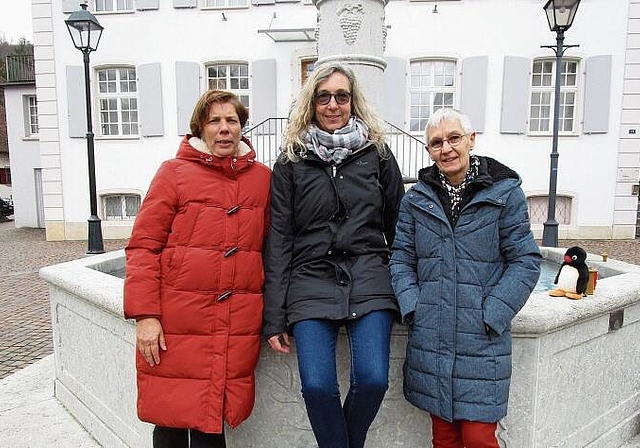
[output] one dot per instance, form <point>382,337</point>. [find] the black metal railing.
<point>20,68</point>
<point>266,137</point>
<point>408,150</point>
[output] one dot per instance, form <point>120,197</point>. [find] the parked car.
<point>6,207</point>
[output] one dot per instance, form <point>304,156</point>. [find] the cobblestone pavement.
<point>623,250</point>
<point>25,325</point>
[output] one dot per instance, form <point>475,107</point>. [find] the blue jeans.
<point>336,425</point>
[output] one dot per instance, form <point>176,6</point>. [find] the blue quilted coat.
<point>459,284</point>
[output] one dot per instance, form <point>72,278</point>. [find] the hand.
<point>408,319</point>
<point>150,339</point>
<point>280,343</point>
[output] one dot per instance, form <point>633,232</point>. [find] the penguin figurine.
<point>573,275</point>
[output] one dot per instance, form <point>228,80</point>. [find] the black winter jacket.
<point>327,251</point>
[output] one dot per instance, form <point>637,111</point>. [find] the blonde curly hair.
<point>303,112</point>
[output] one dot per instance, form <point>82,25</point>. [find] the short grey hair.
<point>446,114</point>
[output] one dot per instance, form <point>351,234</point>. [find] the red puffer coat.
<point>194,260</point>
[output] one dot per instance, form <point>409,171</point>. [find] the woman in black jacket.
<point>335,193</point>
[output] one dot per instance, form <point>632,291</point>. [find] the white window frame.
<point>30,104</point>
<point>225,4</point>
<point>124,215</point>
<point>118,108</point>
<point>106,6</point>
<point>542,97</point>
<point>433,84</point>
<point>240,84</point>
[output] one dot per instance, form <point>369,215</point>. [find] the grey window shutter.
<point>70,5</point>
<point>597,93</point>
<point>187,92</point>
<point>76,107</point>
<point>150,100</point>
<point>263,90</point>
<point>473,91</point>
<point>516,78</point>
<point>143,5</point>
<point>185,3</point>
<point>395,91</point>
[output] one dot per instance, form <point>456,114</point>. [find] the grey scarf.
<point>337,146</point>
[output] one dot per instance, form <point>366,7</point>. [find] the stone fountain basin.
<point>575,368</point>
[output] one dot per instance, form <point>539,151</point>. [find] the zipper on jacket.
<point>333,170</point>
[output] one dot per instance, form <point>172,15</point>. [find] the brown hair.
<point>201,111</point>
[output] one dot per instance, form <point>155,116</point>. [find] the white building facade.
<point>24,154</point>
<point>156,57</point>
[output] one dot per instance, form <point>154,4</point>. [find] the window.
<point>30,116</point>
<point>118,99</point>
<point>5,176</point>
<point>542,97</point>
<point>233,77</point>
<point>432,87</point>
<point>225,3</point>
<point>306,68</point>
<point>118,207</point>
<point>539,207</point>
<point>114,5</point>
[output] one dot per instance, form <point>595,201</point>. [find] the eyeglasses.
<point>325,98</point>
<point>454,140</point>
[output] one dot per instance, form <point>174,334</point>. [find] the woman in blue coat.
<point>464,262</point>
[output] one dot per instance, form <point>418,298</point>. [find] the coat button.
<point>328,252</point>
<point>231,251</point>
<point>353,314</point>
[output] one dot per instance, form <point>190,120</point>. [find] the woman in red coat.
<point>194,280</point>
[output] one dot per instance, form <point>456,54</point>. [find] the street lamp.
<point>85,32</point>
<point>560,14</point>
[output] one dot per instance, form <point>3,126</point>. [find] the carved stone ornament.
<point>350,16</point>
<point>384,35</point>
<point>316,33</point>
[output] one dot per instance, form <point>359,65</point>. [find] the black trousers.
<point>164,437</point>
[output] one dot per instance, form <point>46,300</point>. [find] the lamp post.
<point>85,32</point>
<point>560,14</point>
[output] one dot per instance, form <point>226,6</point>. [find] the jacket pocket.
<point>171,263</point>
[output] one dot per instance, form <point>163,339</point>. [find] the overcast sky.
<point>15,20</point>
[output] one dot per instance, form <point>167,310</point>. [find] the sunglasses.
<point>325,97</point>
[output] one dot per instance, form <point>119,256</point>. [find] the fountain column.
<point>353,32</point>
